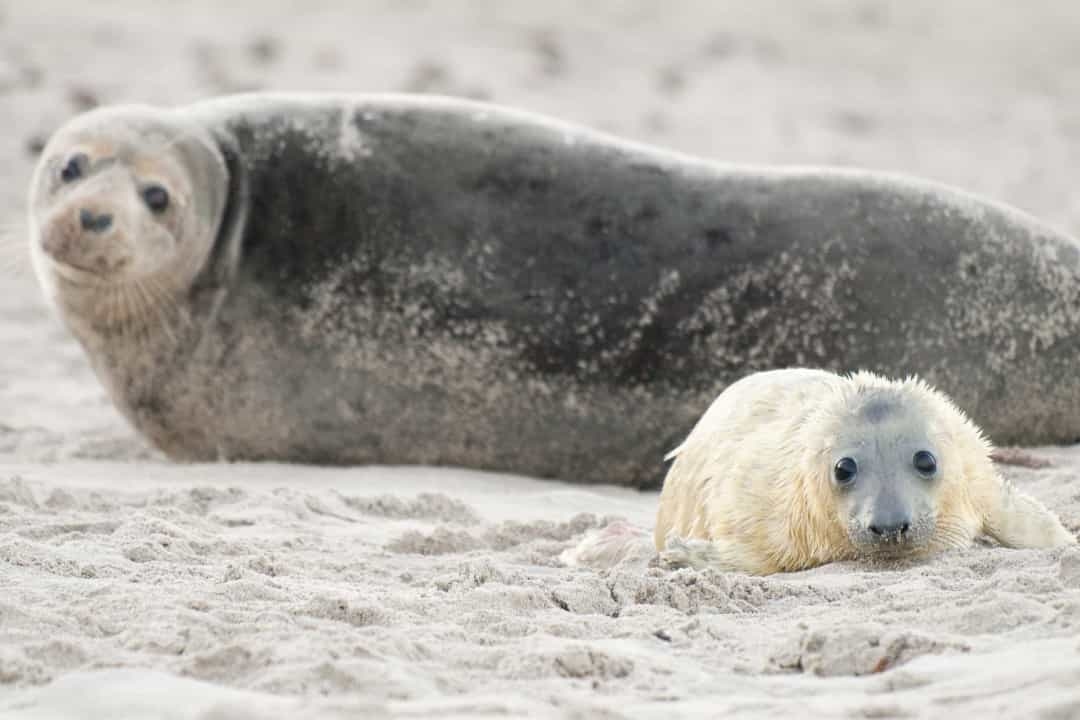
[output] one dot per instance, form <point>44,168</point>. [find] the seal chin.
<point>70,269</point>
<point>890,551</point>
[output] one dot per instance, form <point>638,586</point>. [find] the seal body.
<point>795,468</point>
<point>394,279</point>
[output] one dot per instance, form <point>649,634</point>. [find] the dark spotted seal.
<point>390,279</point>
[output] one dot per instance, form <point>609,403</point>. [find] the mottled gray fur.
<point>423,280</point>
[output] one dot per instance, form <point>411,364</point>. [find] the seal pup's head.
<point>125,199</point>
<point>895,462</point>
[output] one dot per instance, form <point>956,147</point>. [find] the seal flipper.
<point>699,554</point>
<point>1015,519</point>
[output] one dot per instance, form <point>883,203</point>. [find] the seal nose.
<point>897,529</point>
<point>94,222</point>
<point>891,528</point>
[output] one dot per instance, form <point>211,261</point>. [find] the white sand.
<point>133,588</point>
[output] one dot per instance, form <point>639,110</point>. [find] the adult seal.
<point>395,279</point>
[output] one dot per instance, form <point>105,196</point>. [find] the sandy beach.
<point>132,587</point>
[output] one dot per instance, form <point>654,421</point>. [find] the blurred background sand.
<point>264,591</point>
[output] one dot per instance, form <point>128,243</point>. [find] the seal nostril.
<point>896,531</point>
<point>94,222</point>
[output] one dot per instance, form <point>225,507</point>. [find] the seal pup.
<point>791,469</point>
<point>398,279</point>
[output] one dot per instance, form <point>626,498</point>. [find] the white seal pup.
<point>348,279</point>
<point>791,469</point>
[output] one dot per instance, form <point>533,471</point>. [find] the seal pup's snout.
<point>95,222</point>
<point>890,520</point>
<point>891,529</point>
<point>889,524</point>
<point>892,523</point>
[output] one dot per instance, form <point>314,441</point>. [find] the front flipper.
<point>699,554</point>
<point>1018,520</point>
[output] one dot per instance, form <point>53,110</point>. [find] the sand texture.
<point>131,587</point>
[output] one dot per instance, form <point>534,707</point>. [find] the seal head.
<point>126,198</point>
<point>790,469</point>
<point>884,471</point>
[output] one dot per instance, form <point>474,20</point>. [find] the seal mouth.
<point>890,551</point>
<point>76,272</point>
<point>894,546</point>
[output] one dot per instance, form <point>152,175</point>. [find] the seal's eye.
<point>845,471</point>
<point>156,198</point>
<point>74,168</point>
<point>925,463</point>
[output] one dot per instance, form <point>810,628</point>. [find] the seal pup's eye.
<point>925,463</point>
<point>74,168</point>
<point>156,198</point>
<point>845,471</point>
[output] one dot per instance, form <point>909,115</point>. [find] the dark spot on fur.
<point>717,236</point>
<point>755,297</point>
<point>647,212</point>
<point>596,226</point>
<point>878,409</point>
<point>649,169</point>
<point>510,183</point>
<point>538,184</point>
<point>149,406</point>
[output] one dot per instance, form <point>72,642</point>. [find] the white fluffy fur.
<point>750,488</point>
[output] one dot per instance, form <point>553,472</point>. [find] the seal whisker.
<point>147,304</point>
<point>167,300</point>
<point>156,302</point>
<point>129,308</point>
<point>121,303</point>
<point>134,304</point>
<point>112,301</point>
<point>164,310</point>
